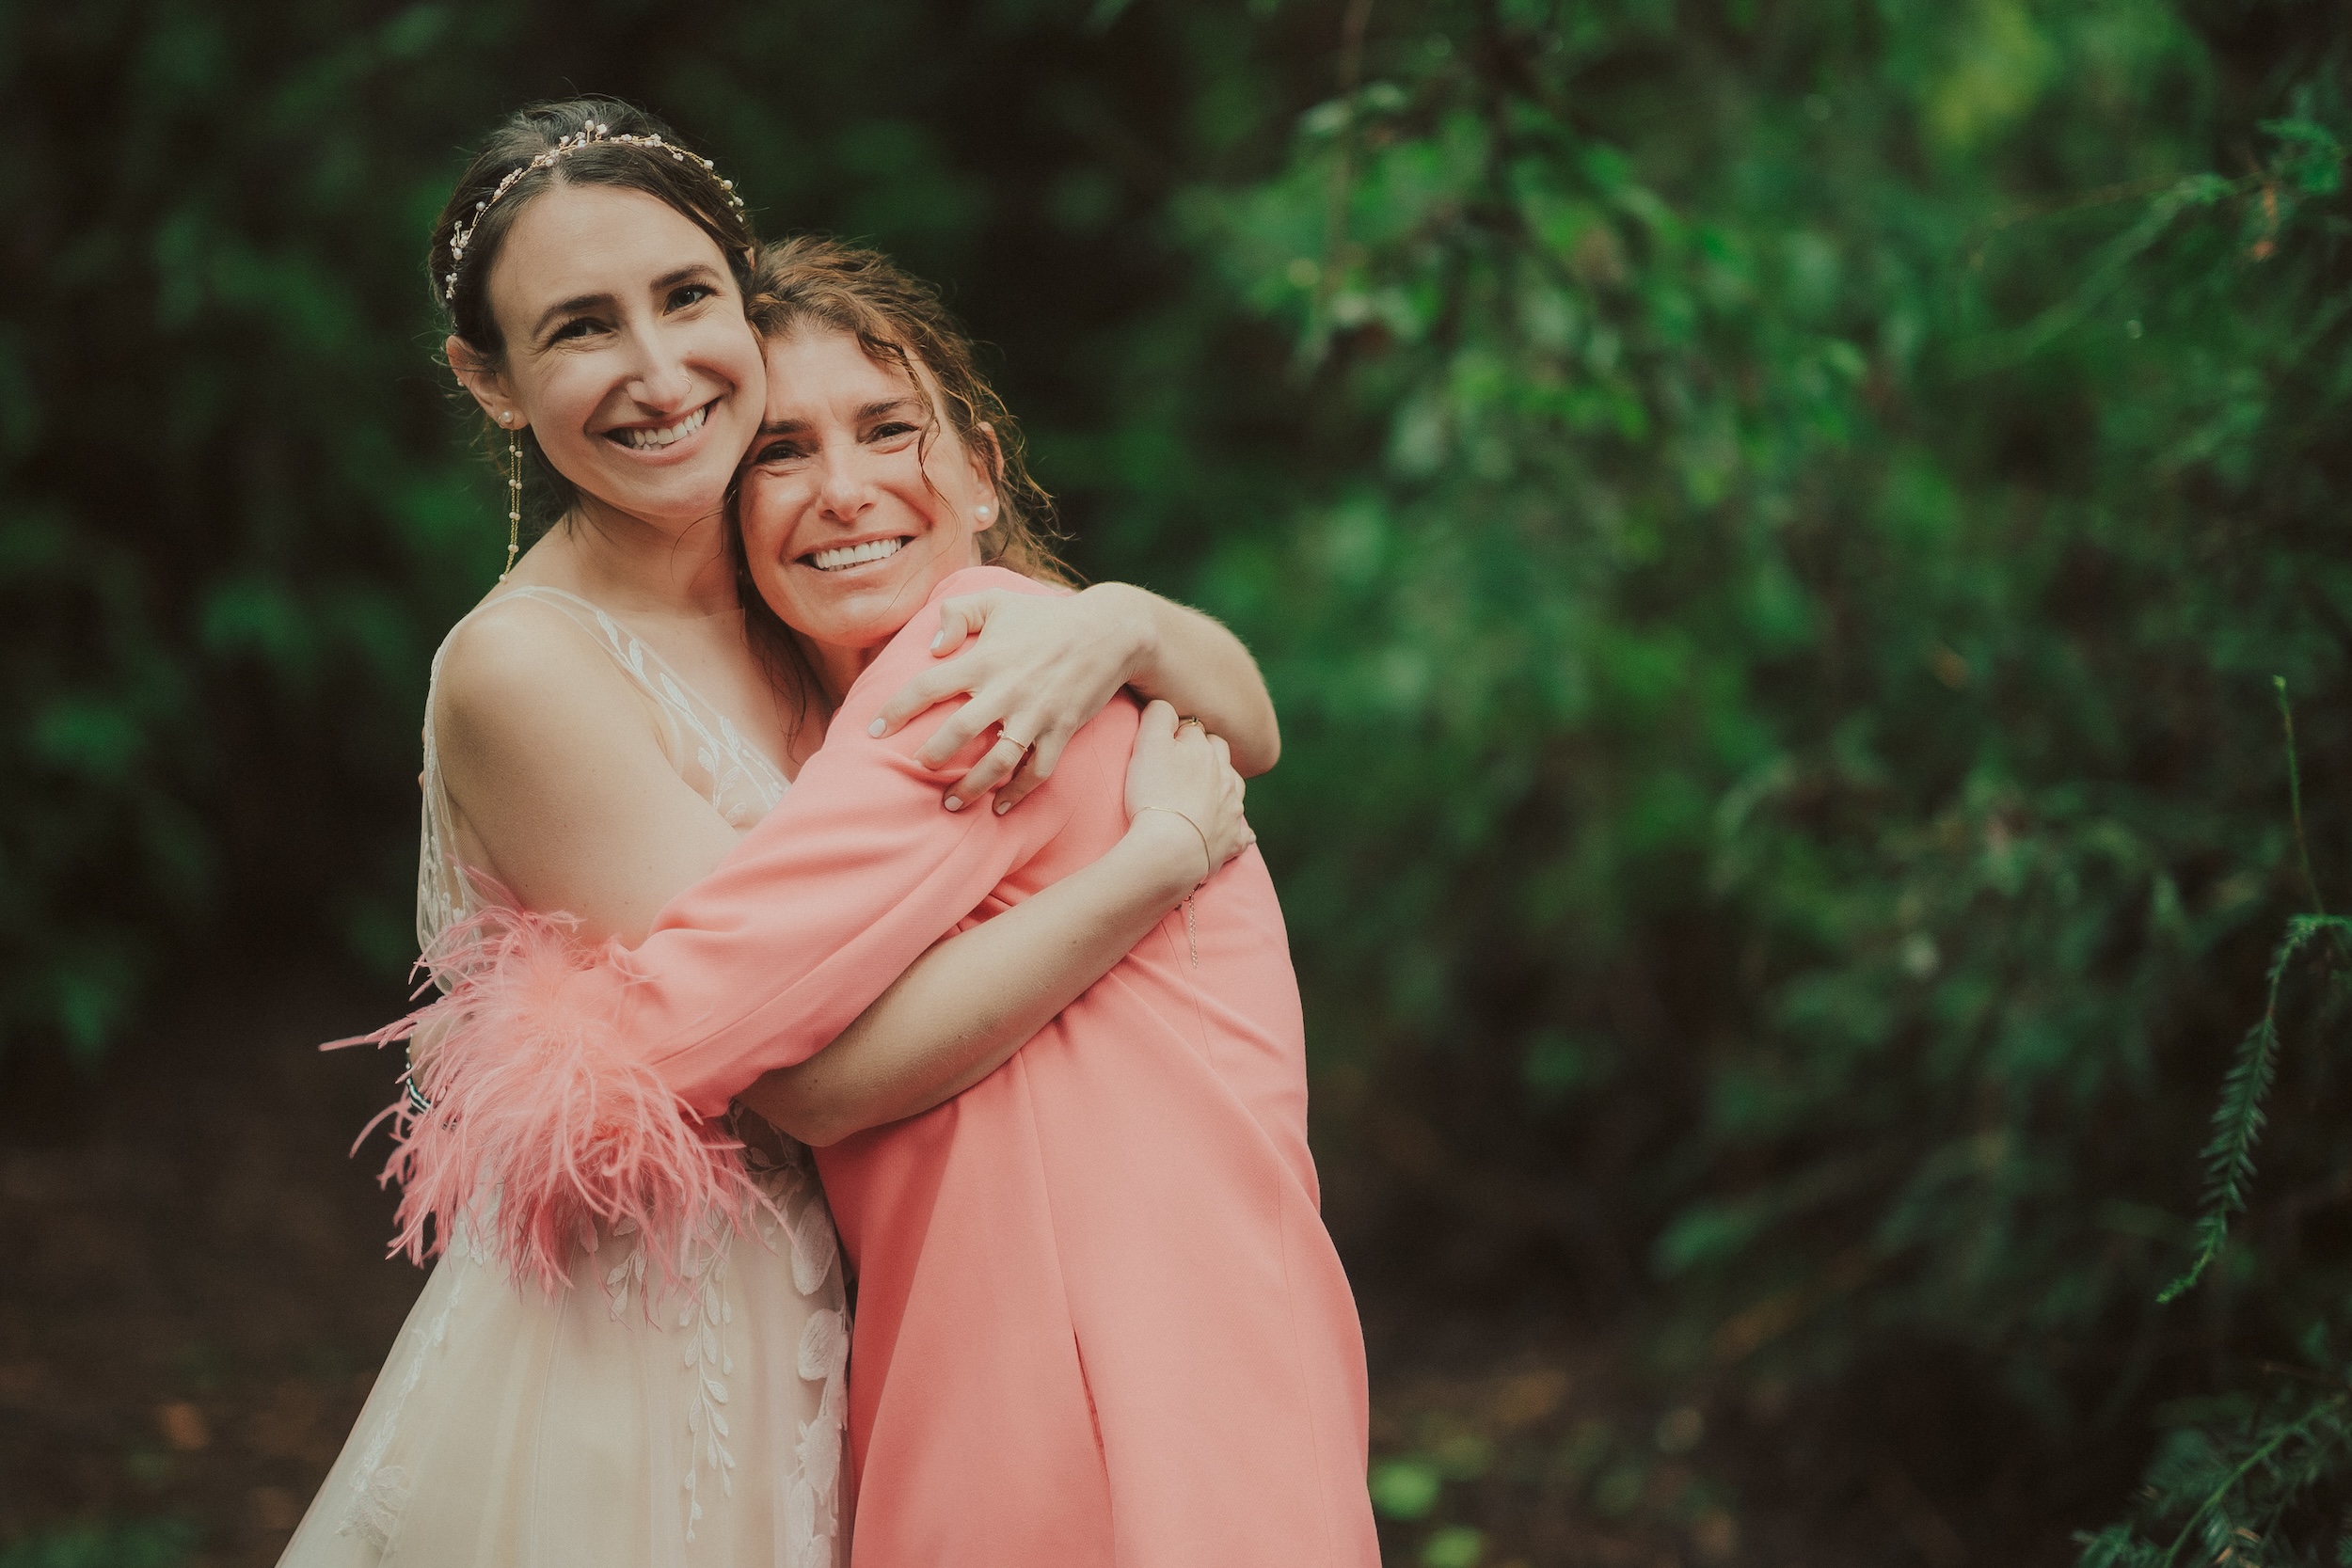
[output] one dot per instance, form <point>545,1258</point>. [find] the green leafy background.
<point>1772,523</point>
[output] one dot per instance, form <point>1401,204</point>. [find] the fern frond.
<point>2213,1514</point>
<point>2229,1155</point>
<point>2237,1120</point>
<point>2116,1546</point>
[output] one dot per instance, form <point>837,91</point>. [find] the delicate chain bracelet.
<point>1206,857</point>
<point>1192,942</point>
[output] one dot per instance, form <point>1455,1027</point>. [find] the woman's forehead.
<point>814,368</point>
<point>577,240</point>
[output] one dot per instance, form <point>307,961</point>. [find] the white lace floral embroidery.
<point>812,1503</point>
<point>706,1314</point>
<point>380,1491</point>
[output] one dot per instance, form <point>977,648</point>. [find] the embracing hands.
<point>1039,667</point>
<point>1181,784</point>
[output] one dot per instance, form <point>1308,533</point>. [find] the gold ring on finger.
<point>1196,724</point>
<point>1027,746</point>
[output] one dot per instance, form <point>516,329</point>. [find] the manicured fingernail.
<point>1003,806</point>
<point>938,637</point>
<point>954,804</point>
<point>875,728</point>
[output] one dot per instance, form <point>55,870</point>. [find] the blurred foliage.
<point>146,1544</point>
<point>2263,1472</point>
<point>1793,688</point>
<point>1772,523</point>
<point>1782,788</point>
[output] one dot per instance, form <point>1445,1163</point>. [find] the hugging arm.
<point>558,1075</point>
<point>1041,665</point>
<point>974,998</point>
<point>575,808</point>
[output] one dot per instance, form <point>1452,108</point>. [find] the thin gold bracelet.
<point>1208,858</point>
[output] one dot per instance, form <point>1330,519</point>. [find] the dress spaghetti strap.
<point>708,748</point>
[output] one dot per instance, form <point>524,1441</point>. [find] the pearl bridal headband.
<point>595,134</point>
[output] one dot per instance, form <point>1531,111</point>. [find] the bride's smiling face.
<point>625,351</point>
<point>858,497</point>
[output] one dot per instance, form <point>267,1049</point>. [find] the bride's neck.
<point>627,562</point>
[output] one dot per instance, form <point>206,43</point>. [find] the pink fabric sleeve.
<point>573,1084</point>
<point>823,905</point>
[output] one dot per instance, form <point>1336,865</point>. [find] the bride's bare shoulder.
<point>517,672</point>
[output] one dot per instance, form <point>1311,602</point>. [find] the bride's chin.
<point>671,510</point>
<point>705,474</point>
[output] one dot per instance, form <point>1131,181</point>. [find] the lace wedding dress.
<point>512,1429</point>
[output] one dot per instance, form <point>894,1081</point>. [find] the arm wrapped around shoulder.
<point>539,1126</point>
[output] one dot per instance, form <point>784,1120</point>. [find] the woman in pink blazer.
<point>1098,1320</point>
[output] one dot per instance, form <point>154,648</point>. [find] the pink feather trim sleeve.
<point>541,1126</point>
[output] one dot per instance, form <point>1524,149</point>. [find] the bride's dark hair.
<point>480,215</point>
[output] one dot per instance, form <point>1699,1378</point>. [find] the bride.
<point>599,733</point>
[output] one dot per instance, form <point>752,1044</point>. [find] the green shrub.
<point>1780,732</point>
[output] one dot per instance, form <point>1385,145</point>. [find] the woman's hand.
<point>968,1003</point>
<point>1181,786</point>
<point>1038,669</point>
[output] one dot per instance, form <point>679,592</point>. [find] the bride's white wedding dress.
<point>510,1428</point>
